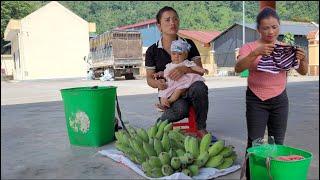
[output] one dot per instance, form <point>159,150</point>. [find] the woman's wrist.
<point>254,53</point>
<point>186,70</point>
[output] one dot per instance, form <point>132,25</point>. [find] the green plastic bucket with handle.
<point>264,165</point>
<point>90,114</point>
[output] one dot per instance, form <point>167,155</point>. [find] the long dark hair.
<point>162,10</point>
<point>266,13</point>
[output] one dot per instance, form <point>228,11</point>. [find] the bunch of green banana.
<point>221,156</point>
<point>162,150</point>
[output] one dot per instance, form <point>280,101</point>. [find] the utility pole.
<point>243,25</point>
<point>271,4</point>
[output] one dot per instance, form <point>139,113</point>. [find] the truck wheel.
<point>97,74</point>
<point>129,76</point>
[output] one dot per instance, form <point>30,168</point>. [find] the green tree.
<point>304,11</point>
<point>288,38</point>
<point>197,15</point>
<point>14,10</point>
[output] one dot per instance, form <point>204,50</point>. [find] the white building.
<point>49,43</point>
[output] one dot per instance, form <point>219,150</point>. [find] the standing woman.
<point>158,56</point>
<point>266,96</point>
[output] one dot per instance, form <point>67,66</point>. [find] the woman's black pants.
<point>271,113</point>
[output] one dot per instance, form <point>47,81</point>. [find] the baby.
<point>175,89</point>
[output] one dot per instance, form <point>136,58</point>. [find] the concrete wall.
<point>16,55</point>
<point>207,58</point>
<point>142,70</point>
<point>7,65</point>
<point>53,42</point>
<point>314,58</point>
<point>210,64</point>
<point>204,51</point>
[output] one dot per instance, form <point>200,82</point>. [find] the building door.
<point>17,75</point>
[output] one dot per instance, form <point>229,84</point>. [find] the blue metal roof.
<point>149,35</point>
<point>296,28</point>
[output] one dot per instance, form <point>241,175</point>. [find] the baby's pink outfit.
<point>183,83</point>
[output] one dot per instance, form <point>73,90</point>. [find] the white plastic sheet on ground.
<point>90,75</point>
<point>204,173</point>
<point>107,76</point>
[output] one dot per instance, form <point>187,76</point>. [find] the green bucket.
<point>262,169</point>
<point>90,114</point>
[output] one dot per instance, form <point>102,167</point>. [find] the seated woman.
<point>158,56</point>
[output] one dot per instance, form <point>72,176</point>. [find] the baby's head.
<point>179,51</point>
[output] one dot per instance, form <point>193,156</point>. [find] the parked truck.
<point>118,52</point>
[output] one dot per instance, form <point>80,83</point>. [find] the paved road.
<point>34,141</point>
<point>21,92</point>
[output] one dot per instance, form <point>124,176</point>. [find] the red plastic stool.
<point>191,124</point>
